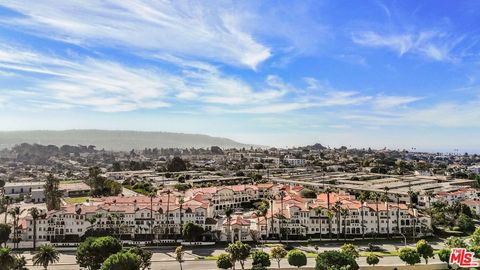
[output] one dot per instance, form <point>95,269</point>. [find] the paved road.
<point>163,259</point>
<point>210,265</point>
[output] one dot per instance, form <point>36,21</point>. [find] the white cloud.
<point>195,29</point>
<point>112,87</point>
<point>383,102</point>
<point>430,44</point>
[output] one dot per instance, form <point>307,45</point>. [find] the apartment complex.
<point>142,218</point>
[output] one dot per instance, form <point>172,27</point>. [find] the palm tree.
<point>35,215</point>
<point>270,198</point>
<point>180,202</point>
<point>398,213</point>
<point>376,197</point>
<point>413,197</point>
<point>7,202</point>
<point>338,208</point>
<point>363,197</point>
<point>328,190</point>
<point>167,231</point>
<point>318,212</point>
<point>280,215</point>
<point>47,254</point>
<point>345,213</point>
<point>152,195</point>
<point>228,215</point>
<point>429,194</point>
<point>330,215</point>
<point>15,213</point>
<point>385,197</point>
<point>261,212</point>
<point>266,205</point>
<point>7,258</point>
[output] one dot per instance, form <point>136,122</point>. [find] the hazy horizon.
<point>246,143</point>
<point>376,74</point>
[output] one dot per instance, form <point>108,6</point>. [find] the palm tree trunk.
<point>398,215</point>
<point>167,232</point>
<point>34,234</point>
<point>344,228</point>
<point>329,220</point>
<point>151,219</point>
<point>388,222</point>
<point>339,217</point>
<point>378,219</point>
<point>363,225</point>
<point>320,224</point>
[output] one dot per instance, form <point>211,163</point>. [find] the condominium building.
<point>144,218</point>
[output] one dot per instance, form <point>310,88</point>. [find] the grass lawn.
<point>75,199</point>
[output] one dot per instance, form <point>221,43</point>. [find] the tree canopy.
<point>278,253</point>
<point>224,261</point>
<point>333,259</point>
<point>308,193</point>
<point>192,231</point>
<point>5,231</point>
<point>425,250</point>
<point>372,259</point>
<point>409,255</point>
<point>176,164</point>
<point>260,257</point>
<point>296,258</point>
<point>239,252</point>
<point>94,251</point>
<point>122,261</point>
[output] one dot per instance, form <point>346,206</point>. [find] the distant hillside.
<point>115,139</point>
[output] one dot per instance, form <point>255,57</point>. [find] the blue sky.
<point>397,74</point>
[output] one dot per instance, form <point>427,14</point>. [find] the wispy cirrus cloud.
<point>433,45</point>
<point>384,102</point>
<point>108,86</point>
<point>184,28</point>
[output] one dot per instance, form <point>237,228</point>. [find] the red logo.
<point>462,258</point>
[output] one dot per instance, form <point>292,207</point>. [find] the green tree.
<point>35,215</point>
<point>176,164</point>
<point>20,263</point>
<point>409,255</point>
<point>465,223</point>
<point>145,256</point>
<point>350,250</point>
<point>5,231</point>
<point>239,252</point>
<point>228,215</point>
<point>260,257</point>
<point>475,250</point>
<point>15,213</point>
<point>333,259</point>
<point>278,253</point>
<point>455,242</point>
<point>308,193</point>
<point>122,261</point>
<point>475,237</point>
<point>52,193</point>
<point>192,231</point>
<point>296,258</point>
<point>7,258</point>
<point>92,252</point>
<point>46,254</point>
<point>224,262</point>
<point>425,250</point>
<point>372,259</point>
<point>444,255</point>
<point>179,252</point>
